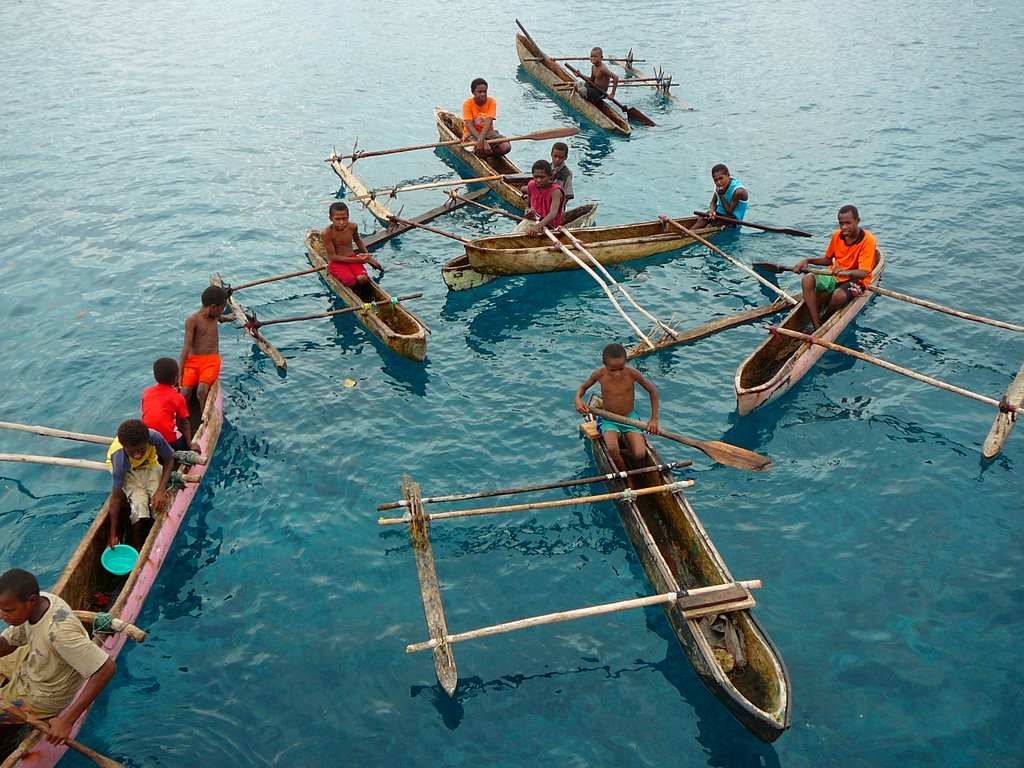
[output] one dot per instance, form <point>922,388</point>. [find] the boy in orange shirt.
<point>850,257</point>
<point>200,353</point>
<point>478,116</point>
<point>165,410</point>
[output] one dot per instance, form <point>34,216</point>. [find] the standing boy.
<point>618,393</point>
<point>140,463</point>
<point>46,655</point>
<point>601,76</point>
<point>546,201</point>
<point>852,252</point>
<point>165,410</point>
<point>730,197</point>
<point>561,172</point>
<point>478,116</point>
<point>200,353</point>
<point>342,260</point>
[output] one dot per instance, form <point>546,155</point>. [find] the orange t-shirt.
<point>860,255</point>
<point>477,115</point>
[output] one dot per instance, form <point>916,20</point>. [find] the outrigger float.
<point>708,609</point>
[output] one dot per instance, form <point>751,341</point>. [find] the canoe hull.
<point>550,74</point>
<point>449,127</point>
<point>458,275</point>
<point>526,254</point>
<point>676,553</point>
<point>358,187</point>
<point>780,362</point>
<point>1001,427</point>
<point>399,329</point>
<point>83,575</point>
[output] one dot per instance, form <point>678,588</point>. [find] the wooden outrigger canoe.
<point>1004,422</point>
<point>459,276</point>
<point>358,187</point>
<point>526,254</point>
<point>449,128</point>
<point>780,362</point>
<point>84,576</point>
<point>399,329</point>
<point>551,74</point>
<point>730,651</point>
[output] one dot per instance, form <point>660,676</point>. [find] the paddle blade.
<point>552,133</point>
<point>635,114</point>
<point>767,266</point>
<point>734,456</point>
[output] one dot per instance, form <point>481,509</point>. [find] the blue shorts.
<point>603,425</point>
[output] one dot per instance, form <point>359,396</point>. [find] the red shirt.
<point>162,406</point>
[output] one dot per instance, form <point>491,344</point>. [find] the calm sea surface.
<point>146,146</point>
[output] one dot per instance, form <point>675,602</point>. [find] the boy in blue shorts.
<point>618,393</point>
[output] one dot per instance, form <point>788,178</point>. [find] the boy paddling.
<point>342,260</point>
<point>45,656</point>
<point>200,352</point>
<point>601,76</point>
<point>730,198</point>
<point>618,382</point>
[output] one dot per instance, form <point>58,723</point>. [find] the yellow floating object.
<point>349,383</point>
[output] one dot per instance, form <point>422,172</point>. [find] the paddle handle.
<point>620,419</point>
<point>39,725</point>
<point>762,227</point>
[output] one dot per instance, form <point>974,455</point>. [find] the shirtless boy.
<point>601,76</point>
<point>343,262</point>
<point>618,393</point>
<point>46,656</point>
<point>200,354</point>
<point>478,116</point>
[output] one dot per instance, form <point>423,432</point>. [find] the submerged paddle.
<point>39,725</point>
<point>723,453</point>
<point>545,135</point>
<point>765,227</point>
<point>632,112</point>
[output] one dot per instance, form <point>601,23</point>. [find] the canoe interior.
<point>677,553</point>
<point>86,585</point>
<point>776,351</point>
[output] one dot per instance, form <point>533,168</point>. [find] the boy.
<point>730,197</point>
<point>478,116</point>
<point>343,262</point>
<point>140,462</point>
<point>617,391</point>
<point>601,77</point>
<point>165,410</point>
<point>560,171</point>
<point>546,201</point>
<point>200,353</point>
<point>45,656</point>
<point>852,250</point>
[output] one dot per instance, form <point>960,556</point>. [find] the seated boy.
<point>342,260</point>
<point>165,410</point>
<point>140,461</point>
<point>601,76</point>
<point>561,172</point>
<point>546,201</point>
<point>478,116</point>
<point>730,198</point>
<point>45,656</point>
<point>200,352</point>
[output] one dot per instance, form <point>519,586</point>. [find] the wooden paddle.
<point>545,135</point>
<point>723,453</point>
<point>765,227</point>
<point>632,112</point>
<point>257,324</point>
<point>613,59</point>
<point>392,191</point>
<point>39,725</point>
<point>232,288</point>
<point>431,229</point>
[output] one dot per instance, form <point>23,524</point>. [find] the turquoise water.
<point>148,147</point>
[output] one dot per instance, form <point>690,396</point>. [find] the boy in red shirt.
<point>164,409</point>
<point>850,257</point>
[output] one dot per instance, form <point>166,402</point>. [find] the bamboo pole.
<point>544,487</point>
<point>735,262</point>
<point>893,367</point>
<point>39,725</point>
<point>604,286</point>
<point>55,461</point>
<point>301,272</point>
<point>51,432</point>
<point>946,310</point>
<point>430,229</point>
<point>455,196</point>
<point>626,495</point>
<point>613,59</point>
<point>581,613</point>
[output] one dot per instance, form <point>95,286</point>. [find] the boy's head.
<point>596,54</point>
<point>214,296</point>
<point>614,355</point>
<point>134,437</point>
<point>542,173</point>
<point>479,90</point>
<point>165,370</point>
<point>849,220</point>
<point>338,213</point>
<point>559,152</point>
<point>19,593</point>
<point>720,175</point>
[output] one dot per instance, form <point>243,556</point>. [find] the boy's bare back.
<point>201,333</point>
